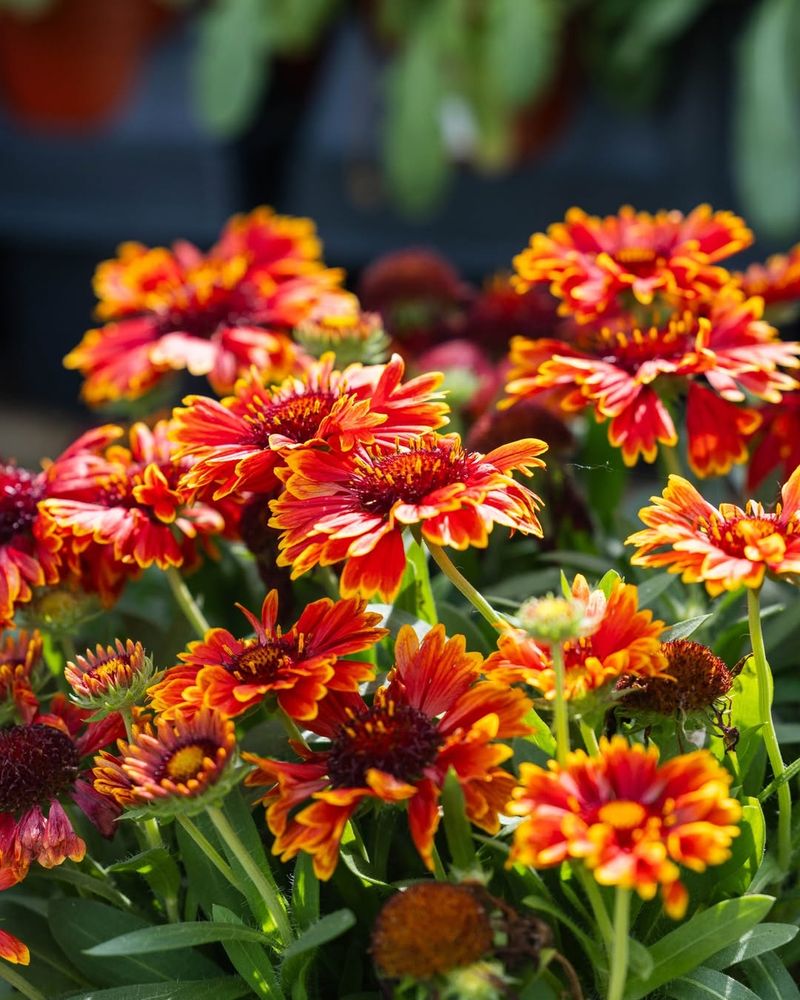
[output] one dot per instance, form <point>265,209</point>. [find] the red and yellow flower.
<point>777,281</point>
<point>718,354</point>
<point>179,767</point>
<point>40,765</point>
<point>354,506</point>
<point>20,654</point>
<point>724,547</point>
<point>591,264</point>
<point>297,667</point>
<point>212,314</point>
<point>632,822</point>
<point>13,950</point>
<point>776,446</point>
<point>118,509</point>
<point>28,557</point>
<point>238,443</point>
<point>112,677</point>
<point>432,714</point>
<point>625,640</point>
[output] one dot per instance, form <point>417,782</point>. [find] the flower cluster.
<point>212,314</point>
<point>650,316</point>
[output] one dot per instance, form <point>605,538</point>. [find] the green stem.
<point>211,853</point>
<point>291,728</point>
<point>187,603</point>
<point>439,872</point>
<point>770,737</point>
<point>620,946</point>
<point>263,883</point>
<point>592,891</point>
<point>560,713</point>
<point>154,840</point>
<point>671,461</point>
<point>20,983</point>
<point>127,718</point>
<point>476,599</point>
<point>68,648</point>
<point>589,738</point>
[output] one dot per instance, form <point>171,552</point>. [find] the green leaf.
<point>766,122</point>
<point>157,867</point>
<point>415,595</point>
<point>230,64</point>
<point>708,984</point>
<point>394,618</point>
<point>770,978</point>
<point>305,892</point>
<point>174,936</point>
<point>650,26</point>
<point>80,924</point>
<point>653,587</point>
<point>456,825</point>
<point>682,630</point>
<point>521,46</point>
<point>593,950</point>
<point>414,155</point>
<point>690,944</point>
<point>205,881</point>
<point>250,959</point>
<point>791,770</point>
<point>735,876</point>
<point>324,930</point>
<point>541,736</point>
<point>640,959</point>
<point>50,970</point>
<point>607,581</point>
<point>221,988</point>
<point>763,938</point>
<point>460,620</point>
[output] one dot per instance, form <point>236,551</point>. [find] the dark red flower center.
<point>407,476</point>
<point>297,418</point>
<point>631,349</point>
<point>397,739</point>
<point>757,538</point>
<point>641,261</point>
<point>20,491</point>
<point>37,763</point>
<point>260,663</point>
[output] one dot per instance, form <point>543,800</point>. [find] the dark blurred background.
<point>457,125</point>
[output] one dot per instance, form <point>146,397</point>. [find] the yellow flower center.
<point>622,815</point>
<point>185,763</point>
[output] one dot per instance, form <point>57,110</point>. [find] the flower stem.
<point>187,603</point>
<point>671,461</point>
<point>560,713</point>
<point>263,883</point>
<point>460,582</point>
<point>619,948</point>
<point>210,852</point>
<point>764,676</point>
<point>291,728</point>
<point>20,983</point>
<point>592,891</point>
<point>589,738</point>
<point>127,718</point>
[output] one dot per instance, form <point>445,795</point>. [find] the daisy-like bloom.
<point>429,929</point>
<point>239,442</point>
<point>777,281</point>
<point>354,506</point>
<point>554,619</point>
<point>776,445</point>
<point>629,820</point>
<point>297,667</point>
<point>432,714</point>
<point>697,683</point>
<point>28,558</point>
<point>40,765</point>
<point>724,547</point>
<point>20,654</point>
<point>352,337</point>
<point>180,767</point>
<point>212,314</point>
<point>112,677</point>
<point>589,262</point>
<point>716,359</point>
<point>623,639</point>
<point>119,509</point>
